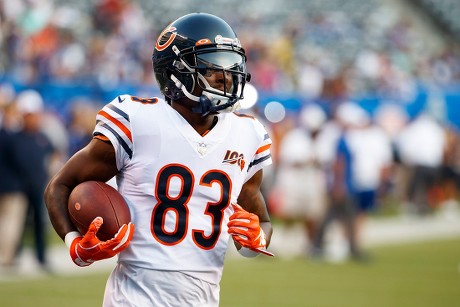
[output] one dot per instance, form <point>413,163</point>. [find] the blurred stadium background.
<point>405,51</point>
<point>402,54</point>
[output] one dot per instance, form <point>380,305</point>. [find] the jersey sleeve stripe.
<point>263,148</point>
<point>122,142</point>
<point>117,123</point>
<point>117,110</point>
<point>116,113</point>
<point>260,160</point>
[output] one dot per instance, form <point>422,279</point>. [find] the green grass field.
<point>417,274</point>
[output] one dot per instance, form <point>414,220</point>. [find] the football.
<point>91,199</point>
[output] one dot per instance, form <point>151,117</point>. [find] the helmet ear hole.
<point>172,92</point>
<point>178,65</point>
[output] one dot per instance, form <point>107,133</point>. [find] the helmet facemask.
<point>194,64</point>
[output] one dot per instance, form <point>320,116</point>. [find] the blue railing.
<point>59,95</point>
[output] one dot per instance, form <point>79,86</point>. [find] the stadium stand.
<point>366,50</point>
<point>444,12</point>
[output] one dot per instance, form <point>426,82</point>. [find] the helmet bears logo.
<point>162,46</point>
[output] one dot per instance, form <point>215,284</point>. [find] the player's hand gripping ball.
<point>92,199</point>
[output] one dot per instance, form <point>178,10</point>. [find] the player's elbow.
<point>48,194</point>
<point>55,193</point>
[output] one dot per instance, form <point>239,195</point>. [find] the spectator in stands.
<point>49,40</point>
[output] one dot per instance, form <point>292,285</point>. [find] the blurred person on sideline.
<point>421,147</point>
<point>33,152</point>
<point>299,191</point>
<point>13,203</point>
<point>360,166</point>
<point>189,167</point>
<point>450,174</point>
<point>392,118</point>
<point>371,163</point>
<point>54,128</point>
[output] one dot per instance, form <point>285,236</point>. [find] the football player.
<point>189,167</point>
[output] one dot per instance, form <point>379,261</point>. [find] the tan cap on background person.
<point>312,117</point>
<point>29,101</point>
<point>352,115</point>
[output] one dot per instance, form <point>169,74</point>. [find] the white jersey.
<point>179,185</point>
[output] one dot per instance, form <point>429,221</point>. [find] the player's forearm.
<point>56,197</point>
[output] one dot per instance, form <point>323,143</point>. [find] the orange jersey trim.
<point>101,137</point>
<point>263,148</point>
<point>117,123</point>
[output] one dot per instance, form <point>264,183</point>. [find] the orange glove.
<point>87,249</point>
<point>245,230</point>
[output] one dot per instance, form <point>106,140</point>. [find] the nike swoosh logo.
<point>120,100</point>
